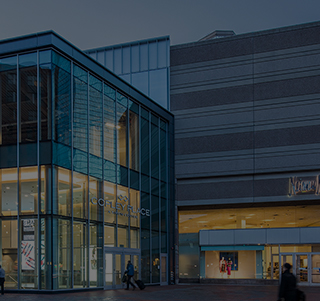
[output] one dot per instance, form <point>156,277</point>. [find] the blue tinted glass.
<point>109,171</point>
<point>80,73</point>
<point>154,119</point>
<point>126,59</point>
<point>95,83</point>
<point>117,61</point>
<point>134,179</point>
<point>163,125</point>
<point>155,151</point>
<point>122,176</point>
<point>122,99</point>
<point>133,107</point>
<point>61,62</point>
<point>158,86</point>
<point>162,53</point>
<point>126,77</point>
<point>153,55</point>
<point>100,57</point>
<point>61,155</point>
<point>145,183</point>
<point>26,60</point>
<point>95,166</point>
<point>163,155</point>
<point>80,161</point>
<point>154,187</point>
<point>9,63</point>
<point>135,58</point>
<point>144,113</point>
<point>143,57</point>
<point>45,57</point>
<point>108,91</point>
<point>140,80</point>
<point>145,153</point>
<point>109,59</point>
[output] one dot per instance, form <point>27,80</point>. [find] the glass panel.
<point>134,238</point>
<point>109,269</point>
<point>117,61</point>
<point>109,203</point>
<point>62,192</point>
<point>28,97</point>
<point>275,267</point>
<point>62,105</point>
<point>135,58</point>
<point>80,190</point>
<point>100,57</point>
<point>134,141</point>
<point>45,57</point>
<point>96,206</point>
<point>63,264</point>
<point>109,59</point>
<point>155,151</point>
<point>45,102</point>
<point>29,255</point>
<point>28,190</point>
<point>145,153</point>
<point>286,259</point>
<point>43,189</point>
<point>134,205</point>
<point>126,59</point>
<point>153,55</point>
<point>135,263</point>
<point>162,53</point>
<point>9,252</point>
<point>315,260</point>
<point>8,100</point>
<point>79,254</point>
<point>118,271</point>
<point>93,256</point>
<point>163,156</point>
<point>158,86</point>
<point>122,205</point>
<point>9,191</point>
<point>143,57</point>
<point>163,269</point>
<point>155,266</point>
<point>122,237</point>
<point>109,236</point>
<point>80,120</point>
<point>109,125</point>
<point>45,260</point>
<point>122,134</point>
<point>141,81</point>
<point>302,268</point>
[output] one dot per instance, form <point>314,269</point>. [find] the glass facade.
<point>82,169</point>
<point>143,64</point>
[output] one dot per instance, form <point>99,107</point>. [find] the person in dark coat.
<point>130,273</point>
<point>288,284</point>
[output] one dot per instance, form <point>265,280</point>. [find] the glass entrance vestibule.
<point>306,266</point>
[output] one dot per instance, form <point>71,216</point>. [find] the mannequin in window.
<point>229,266</point>
<point>222,266</point>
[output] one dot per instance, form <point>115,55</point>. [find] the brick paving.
<point>193,292</point>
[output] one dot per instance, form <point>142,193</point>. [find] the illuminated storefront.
<point>86,171</point>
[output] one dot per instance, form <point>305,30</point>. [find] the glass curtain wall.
<point>108,166</point>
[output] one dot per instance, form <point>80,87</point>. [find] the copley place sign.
<point>122,209</point>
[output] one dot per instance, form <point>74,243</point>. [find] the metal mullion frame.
<point>140,167</point>
<point>159,191</point>
<point>18,177</point>
<point>128,168</point>
<point>88,179</point>
<point>71,124</point>
<point>39,172</point>
<point>116,163</point>
<point>150,203</point>
<point>167,200</point>
<point>102,183</point>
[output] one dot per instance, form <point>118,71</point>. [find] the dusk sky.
<point>96,23</point>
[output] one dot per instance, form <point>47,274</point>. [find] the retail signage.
<point>118,208</point>
<point>307,185</point>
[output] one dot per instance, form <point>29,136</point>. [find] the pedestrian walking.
<point>130,273</point>
<point>288,284</point>
<point>2,279</point>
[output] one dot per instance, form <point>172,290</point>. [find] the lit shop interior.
<point>251,260</point>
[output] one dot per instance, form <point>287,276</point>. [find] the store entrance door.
<point>305,266</point>
<point>115,264</point>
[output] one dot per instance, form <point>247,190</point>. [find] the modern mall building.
<point>247,155</point>
<point>246,147</point>
<point>86,172</point>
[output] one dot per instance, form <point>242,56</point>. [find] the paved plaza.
<point>193,292</point>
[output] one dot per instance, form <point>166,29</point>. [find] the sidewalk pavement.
<point>192,292</point>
